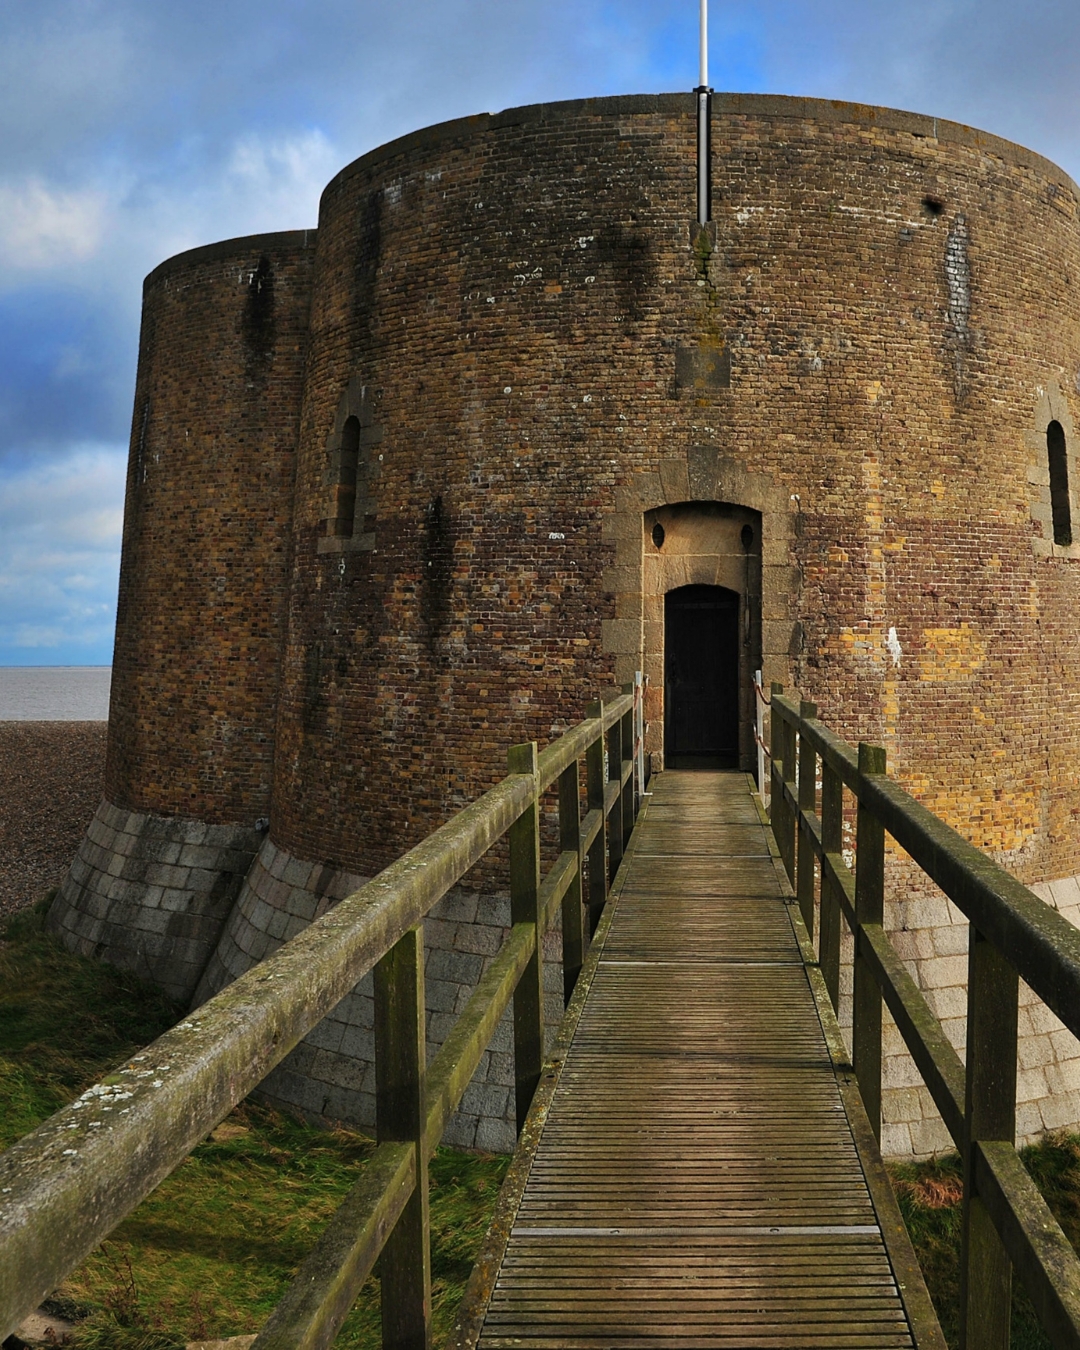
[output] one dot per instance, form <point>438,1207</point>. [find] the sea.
<point>54,693</point>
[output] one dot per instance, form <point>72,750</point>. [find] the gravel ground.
<point>51,776</point>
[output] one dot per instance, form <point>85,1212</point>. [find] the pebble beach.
<point>51,776</point>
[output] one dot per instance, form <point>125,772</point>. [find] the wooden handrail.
<point>1007,1225</point>
<point>68,1183</point>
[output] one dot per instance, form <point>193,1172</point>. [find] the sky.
<point>133,129</point>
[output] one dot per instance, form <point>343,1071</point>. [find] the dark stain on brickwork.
<point>368,249</point>
<point>315,676</point>
<point>626,255</point>
<point>257,322</point>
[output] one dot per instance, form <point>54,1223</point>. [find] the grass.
<point>64,1022</point>
<point>930,1199</point>
<point>211,1251</point>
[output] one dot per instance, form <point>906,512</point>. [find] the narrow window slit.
<point>1058,460</point>
<point>345,513</point>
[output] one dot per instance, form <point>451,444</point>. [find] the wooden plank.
<point>985,1268</point>
<point>697,1182</point>
<point>573,914</point>
<point>526,907</point>
<point>832,839</point>
<point>400,1113</point>
<point>807,797</point>
<point>596,843</point>
<point>869,908</point>
<point>325,1287</point>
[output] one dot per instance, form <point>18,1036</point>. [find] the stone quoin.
<point>413,487</point>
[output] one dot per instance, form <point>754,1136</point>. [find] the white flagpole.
<point>704,118</point>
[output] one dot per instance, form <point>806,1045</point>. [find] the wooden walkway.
<point>697,1182</point>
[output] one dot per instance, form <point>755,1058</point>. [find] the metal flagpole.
<point>704,119</point>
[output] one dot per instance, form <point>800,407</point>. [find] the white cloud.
<point>60,529</point>
<point>105,235</point>
<point>43,226</point>
<point>299,164</point>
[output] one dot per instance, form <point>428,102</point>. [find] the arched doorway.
<point>701,678</point>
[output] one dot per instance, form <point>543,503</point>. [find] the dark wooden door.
<point>701,678</point>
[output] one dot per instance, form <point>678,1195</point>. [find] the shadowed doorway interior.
<point>701,678</point>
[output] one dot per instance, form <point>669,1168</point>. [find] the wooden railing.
<point>1007,1225</point>
<point>65,1186</point>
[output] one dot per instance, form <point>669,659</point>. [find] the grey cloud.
<point>1007,68</point>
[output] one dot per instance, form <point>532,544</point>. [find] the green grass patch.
<point>64,1022</point>
<point>211,1251</point>
<point>930,1199</point>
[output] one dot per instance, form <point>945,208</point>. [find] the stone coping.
<point>820,110</point>
<point>282,241</point>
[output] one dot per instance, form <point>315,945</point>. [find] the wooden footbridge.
<point>698,1162</point>
<point>697,1180</point>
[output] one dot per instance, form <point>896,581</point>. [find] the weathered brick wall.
<point>207,529</point>
<point>527,349</point>
<point>893,295</point>
<point>200,619</point>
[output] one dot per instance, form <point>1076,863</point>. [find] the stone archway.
<point>702,544</point>
<point>693,487</point>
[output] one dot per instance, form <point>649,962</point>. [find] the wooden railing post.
<point>400,1113</point>
<point>594,797</point>
<point>832,841</point>
<point>806,858</point>
<point>779,810</point>
<point>869,908</point>
<point>639,740</point>
<point>790,770</point>
<point>626,756</point>
<point>524,836</point>
<point>615,820</point>
<point>989,1114</point>
<point>573,918</point>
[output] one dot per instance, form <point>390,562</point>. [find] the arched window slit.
<point>348,465</point>
<point>1058,463</point>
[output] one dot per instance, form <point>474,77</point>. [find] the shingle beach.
<point>51,776</point>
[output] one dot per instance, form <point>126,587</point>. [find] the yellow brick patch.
<point>951,654</point>
<point>996,819</point>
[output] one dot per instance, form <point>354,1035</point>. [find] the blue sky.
<point>132,129</point>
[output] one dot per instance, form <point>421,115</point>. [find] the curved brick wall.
<point>520,356</point>
<point>519,303</point>
<point>200,619</point>
<point>207,529</point>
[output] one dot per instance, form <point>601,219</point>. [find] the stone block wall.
<point>152,894</point>
<point>330,1076</point>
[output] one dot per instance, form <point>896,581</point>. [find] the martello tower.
<point>505,429</point>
